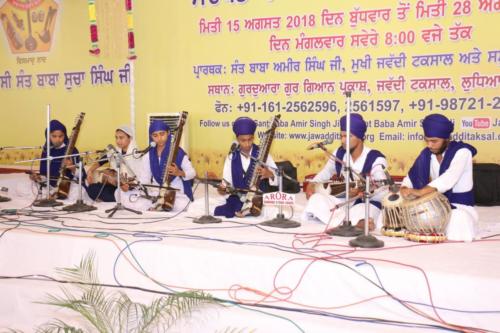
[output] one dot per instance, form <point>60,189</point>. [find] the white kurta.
<point>458,177</point>
<point>133,163</point>
<point>130,199</point>
<point>320,204</point>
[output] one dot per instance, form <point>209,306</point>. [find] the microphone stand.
<point>366,240</point>
<point>280,221</point>
<point>123,162</point>
<point>207,218</point>
<point>346,229</point>
<point>79,205</point>
<point>48,201</point>
<point>338,160</point>
<point>119,205</point>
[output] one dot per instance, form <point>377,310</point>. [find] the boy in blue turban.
<point>364,160</point>
<point>237,166</point>
<point>445,166</point>
<point>58,145</point>
<point>153,167</point>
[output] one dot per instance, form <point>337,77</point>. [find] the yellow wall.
<point>168,45</point>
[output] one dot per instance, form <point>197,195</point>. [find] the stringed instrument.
<point>45,36</point>
<point>30,43</point>
<point>109,176</point>
<point>253,201</point>
<point>12,33</point>
<point>337,185</point>
<point>166,197</point>
<point>63,183</point>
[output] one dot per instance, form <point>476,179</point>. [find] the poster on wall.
<point>402,60</point>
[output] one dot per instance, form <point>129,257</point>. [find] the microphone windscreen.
<point>234,147</point>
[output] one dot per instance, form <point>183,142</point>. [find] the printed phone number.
<point>320,106</point>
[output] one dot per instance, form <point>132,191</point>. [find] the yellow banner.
<point>221,59</point>
<point>402,60</point>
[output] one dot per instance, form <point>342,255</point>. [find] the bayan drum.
<point>392,210</point>
<point>426,218</point>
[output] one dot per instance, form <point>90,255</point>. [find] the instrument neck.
<point>172,154</point>
<point>174,149</point>
<point>264,148</point>
<point>72,141</point>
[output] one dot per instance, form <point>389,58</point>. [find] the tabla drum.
<point>426,218</point>
<point>392,210</point>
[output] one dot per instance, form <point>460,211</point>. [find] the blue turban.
<point>437,126</point>
<point>56,125</point>
<point>244,126</point>
<point>358,125</point>
<point>158,125</point>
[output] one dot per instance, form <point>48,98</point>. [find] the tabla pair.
<point>421,220</point>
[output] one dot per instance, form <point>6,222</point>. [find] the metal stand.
<point>207,218</point>
<point>280,221</point>
<point>79,205</point>
<point>346,229</point>
<point>2,198</point>
<point>119,205</point>
<point>366,240</point>
<point>49,201</point>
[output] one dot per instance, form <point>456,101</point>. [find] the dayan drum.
<point>426,218</point>
<point>392,210</point>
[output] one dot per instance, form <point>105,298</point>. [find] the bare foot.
<point>361,224</point>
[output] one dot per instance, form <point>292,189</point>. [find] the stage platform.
<point>274,280</point>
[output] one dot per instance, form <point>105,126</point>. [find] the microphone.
<point>392,186</point>
<point>234,147</point>
<point>320,144</point>
<point>111,148</point>
<point>144,151</point>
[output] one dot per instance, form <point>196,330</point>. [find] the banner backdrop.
<point>45,59</point>
<point>221,59</point>
<point>401,60</point>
